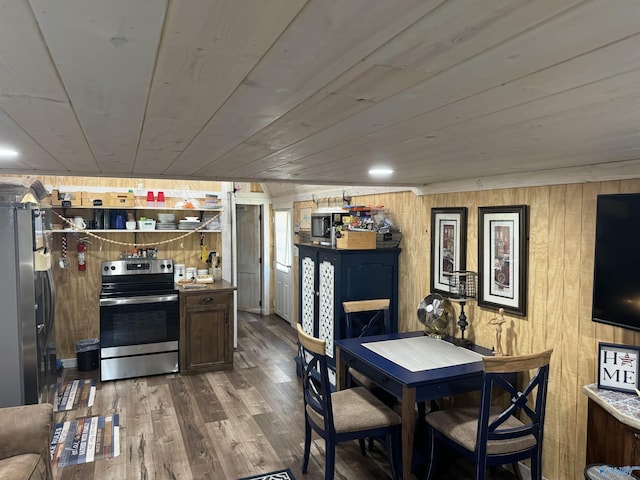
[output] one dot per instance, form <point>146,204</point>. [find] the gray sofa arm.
<point>26,429</point>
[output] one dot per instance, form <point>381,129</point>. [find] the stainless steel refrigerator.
<point>27,302</point>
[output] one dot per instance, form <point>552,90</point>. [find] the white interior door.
<point>249,272</point>
<point>283,268</point>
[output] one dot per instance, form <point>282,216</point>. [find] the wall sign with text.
<point>618,367</point>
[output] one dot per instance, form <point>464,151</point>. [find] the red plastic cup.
<point>150,197</point>
<point>160,197</point>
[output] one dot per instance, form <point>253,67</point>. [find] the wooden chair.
<point>364,318</point>
<point>492,436</point>
<point>344,415</point>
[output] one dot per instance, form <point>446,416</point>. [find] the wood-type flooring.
<point>224,425</point>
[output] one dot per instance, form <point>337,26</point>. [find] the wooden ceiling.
<point>320,91</point>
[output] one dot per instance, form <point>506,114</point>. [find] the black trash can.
<point>87,353</point>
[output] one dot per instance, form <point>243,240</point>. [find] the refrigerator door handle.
<point>52,302</point>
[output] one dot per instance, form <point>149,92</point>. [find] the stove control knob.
<point>113,267</point>
<point>169,267</point>
<point>106,268</point>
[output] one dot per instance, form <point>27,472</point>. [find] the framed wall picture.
<point>502,258</point>
<point>448,245</point>
<point>618,367</point>
<point>305,219</point>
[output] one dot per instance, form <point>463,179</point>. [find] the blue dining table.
<point>411,375</point>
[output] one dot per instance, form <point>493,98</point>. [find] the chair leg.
<point>516,470</point>
<point>433,448</point>
<point>394,444</point>
<point>307,446</point>
<point>330,459</point>
<point>363,449</point>
<point>536,465</point>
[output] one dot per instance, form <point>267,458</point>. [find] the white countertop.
<point>625,407</point>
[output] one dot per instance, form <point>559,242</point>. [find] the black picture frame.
<point>448,245</point>
<point>618,367</point>
<point>503,242</point>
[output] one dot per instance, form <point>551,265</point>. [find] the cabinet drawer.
<point>206,299</point>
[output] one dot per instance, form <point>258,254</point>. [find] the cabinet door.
<point>307,293</point>
<point>207,334</point>
<point>326,302</point>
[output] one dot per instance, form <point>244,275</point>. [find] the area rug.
<point>75,394</point>
<point>85,440</point>
<point>279,475</point>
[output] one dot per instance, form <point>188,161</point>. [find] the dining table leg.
<point>408,429</point>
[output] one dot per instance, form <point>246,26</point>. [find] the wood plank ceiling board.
<point>531,115</point>
<point>480,34</point>
<point>208,48</point>
<point>577,80</point>
<point>105,53</point>
<point>324,41</point>
<point>32,95</point>
<point>350,93</point>
<point>33,158</point>
<point>434,43</point>
<point>534,50</point>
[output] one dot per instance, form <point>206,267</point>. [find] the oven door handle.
<point>111,302</point>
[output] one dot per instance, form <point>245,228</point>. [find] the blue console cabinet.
<point>329,276</point>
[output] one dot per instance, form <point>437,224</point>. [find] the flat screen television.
<point>616,276</point>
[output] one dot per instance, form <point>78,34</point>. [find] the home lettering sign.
<point>618,367</point>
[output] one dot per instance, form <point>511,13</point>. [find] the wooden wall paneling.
<point>532,339</point>
<point>554,446</point>
<point>570,324</point>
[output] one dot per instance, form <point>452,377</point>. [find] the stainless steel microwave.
<point>322,225</point>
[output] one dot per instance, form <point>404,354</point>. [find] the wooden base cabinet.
<point>609,441</point>
<point>206,331</point>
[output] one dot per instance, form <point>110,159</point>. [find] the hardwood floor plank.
<point>224,425</point>
<point>168,447</point>
<point>204,463</point>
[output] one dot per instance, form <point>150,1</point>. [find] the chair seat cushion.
<point>357,409</point>
<point>28,466</point>
<point>461,426</point>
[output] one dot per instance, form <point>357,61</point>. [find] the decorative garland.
<point>74,227</point>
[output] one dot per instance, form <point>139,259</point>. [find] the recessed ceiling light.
<point>380,172</point>
<point>8,153</point>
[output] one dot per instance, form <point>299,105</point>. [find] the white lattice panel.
<point>325,308</point>
<point>308,295</point>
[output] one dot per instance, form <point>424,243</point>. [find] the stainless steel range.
<point>139,319</point>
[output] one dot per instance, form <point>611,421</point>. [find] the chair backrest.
<point>367,317</point>
<point>528,404</point>
<point>315,376</point>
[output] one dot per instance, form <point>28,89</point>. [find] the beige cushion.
<point>356,409</point>
<point>461,426</point>
<point>29,466</point>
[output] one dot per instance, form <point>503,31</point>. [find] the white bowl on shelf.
<point>130,225</point>
<point>192,219</point>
